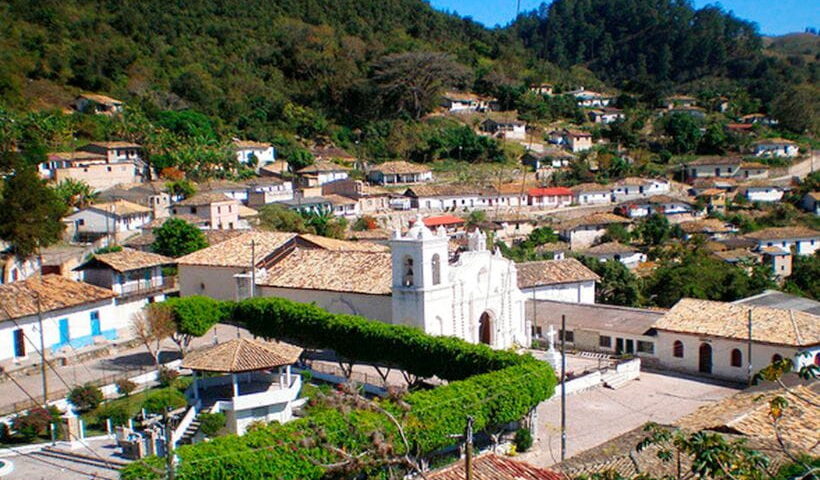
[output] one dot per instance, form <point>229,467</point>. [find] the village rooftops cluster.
<point>339,271</point>
<point>51,292</point>
<point>127,259</point>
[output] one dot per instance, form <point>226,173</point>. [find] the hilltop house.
<point>710,228</point>
<point>590,99</point>
<point>584,231</point>
<point>91,168</point>
<point>554,197</point>
<point>321,172</point>
<point>676,101</point>
<point>117,151</point>
<point>136,277</point>
<point>631,257</point>
<point>541,88</point>
<point>254,154</point>
<point>660,204</point>
<point>505,127</point>
<point>630,188</point>
<point>399,173</point>
<point>577,140</point>
<point>763,191</point>
<point>606,115</point>
<point>118,219</point>
<point>566,280</point>
<point>758,118</point>
<point>219,211</point>
<point>776,147</point>
<point>97,104</point>
<point>74,315</point>
<point>369,198</point>
<point>549,157</point>
<point>453,196</point>
<point>725,167</point>
<point>265,190</point>
<point>152,195</point>
<point>591,194</point>
<point>804,241</point>
<point>459,102</point>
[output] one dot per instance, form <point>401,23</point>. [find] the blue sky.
<point>775,17</point>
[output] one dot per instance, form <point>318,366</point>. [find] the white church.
<point>475,295</point>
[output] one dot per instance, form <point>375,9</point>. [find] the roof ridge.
<point>797,335</point>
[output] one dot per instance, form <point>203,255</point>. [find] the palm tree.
<point>75,193</point>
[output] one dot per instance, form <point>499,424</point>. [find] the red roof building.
<point>552,197</point>
<point>443,220</point>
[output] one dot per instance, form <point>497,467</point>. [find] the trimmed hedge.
<point>495,387</point>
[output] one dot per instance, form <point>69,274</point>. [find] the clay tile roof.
<point>242,355</point>
<point>593,219</point>
<point>205,198</point>
<point>779,233</point>
<point>250,144</point>
<point>774,141</point>
<point>735,254</point>
<point>494,467</point>
<point>192,219</point>
<point>758,165</point>
<point>126,260</point>
<point>76,156</point>
<point>336,271</point>
<point>339,199</point>
<point>19,299</point>
<point>343,245</point>
<point>549,192</point>
<point>102,99</point>
<point>748,414</point>
<point>552,247</point>
<point>121,208</point>
<point>727,320</point>
<point>709,225</point>
<point>331,152</point>
<point>710,192</point>
<point>114,144</point>
<point>236,252</point>
<point>590,187</point>
<point>448,190</point>
<point>609,248</point>
<point>716,160</point>
<point>400,167</point>
<point>461,96</point>
<point>814,195</point>
<point>551,272</point>
<point>322,166</point>
<point>431,222</point>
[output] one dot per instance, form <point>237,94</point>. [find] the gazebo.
<point>259,387</point>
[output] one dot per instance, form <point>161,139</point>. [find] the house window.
<point>81,222</point>
<point>646,347</point>
<point>436,264</point>
<point>605,341</point>
<point>677,349</point>
<point>193,210</point>
<point>569,336</point>
<point>19,343</point>
<point>737,358</point>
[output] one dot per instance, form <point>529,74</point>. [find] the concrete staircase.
<point>615,380</point>
<point>190,431</point>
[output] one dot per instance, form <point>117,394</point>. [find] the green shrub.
<point>85,397</point>
<point>211,423</point>
<point>125,387</point>
<point>35,423</point>
<point>166,376</point>
<point>182,383</point>
<point>523,440</point>
<point>118,412</point>
<point>158,400</point>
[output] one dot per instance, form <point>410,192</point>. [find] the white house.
<point>503,127</point>
<point>399,173</point>
<point>606,115</point>
<point>804,241</point>
<point>219,211</point>
<point>97,104</point>
<point>584,231</point>
<point>811,202</point>
<point>660,204</point>
<point>13,268</point>
<point>136,277</point>
<point>631,257</point>
<point>116,151</point>
<point>322,172</point>
<point>710,228</point>
<point>591,194</point>
<point>257,154</point>
<point>450,197</point>
<point>91,168</point>
<point>630,188</point>
<point>763,192</point>
<point>676,101</point>
<point>118,219</point>
<point>578,140</point>
<point>566,280</point>
<point>541,88</point>
<point>459,102</point>
<point>553,197</point>
<point>550,157</point>
<point>265,190</point>
<point>590,99</point>
<point>257,383</point>
<point>713,338</point>
<point>725,167</point>
<point>776,147</point>
<point>74,315</point>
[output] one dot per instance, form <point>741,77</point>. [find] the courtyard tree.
<point>191,317</point>
<point>617,286</point>
<point>176,238</point>
<point>75,193</point>
<point>151,326</point>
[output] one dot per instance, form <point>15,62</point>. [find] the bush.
<point>118,412</point>
<point>5,433</point>
<point>182,383</point>
<point>211,423</point>
<point>125,387</point>
<point>35,423</point>
<point>158,400</point>
<point>166,376</point>
<point>523,440</point>
<point>86,397</point>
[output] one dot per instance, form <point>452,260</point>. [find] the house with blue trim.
<point>73,315</point>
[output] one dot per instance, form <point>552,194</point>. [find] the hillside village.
<point>563,274</point>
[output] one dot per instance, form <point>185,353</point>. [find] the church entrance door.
<point>485,329</point>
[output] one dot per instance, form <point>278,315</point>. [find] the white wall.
<point>804,246</point>
<point>721,354</point>
<point>770,194</point>
<point>94,221</point>
<point>578,292</point>
<point>589,198</point>
<point>214,282</point>
<point>374,307</point>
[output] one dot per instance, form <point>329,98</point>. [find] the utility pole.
<point>468,450</point>
<point>749,348</point>
<point>169,445</point>
<point>42,347</point>
<point>563,388</point>
<point>253,268</point>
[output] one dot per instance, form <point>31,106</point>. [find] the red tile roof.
<point>495,467</point>
<point>430,222</point>
<point>549,192</point>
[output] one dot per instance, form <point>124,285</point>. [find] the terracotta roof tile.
<point>727,320</point>
<point>250,144</point>
<point>322,166</point>
<point>205,198</point>
<point>552,272</point>
<point>593,219</point>
<point>19,299</point>
<point>236,252</point>
<point>127,259</point>
<point>242,355</point>
<point>708,225</point>
<point>494,467</point>
<point>716,160</point>
<point>121,208</point>
<point>336,271</point>
<point>448,190</point>
<point>400,167</point>
<point>782,233</point>
<point>609,248</point>
<point>343,245</point>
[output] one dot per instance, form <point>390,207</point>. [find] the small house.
<point>804,241</point>
<point>460,102</point>
<point>254,154</point>
<point>542,88</point>
<point>676,101</point>
<point>321,172</point>
<point>505,127</point>
<point>776,147</point>
<point>554,197</point>
<point>606,115</point>
<point>218,210</point>
<point>118,219</point>
<point>98,104</point>
<point>630,256</point>
<point>566,280</point>
<point>584,231</point>
<point>399,173</point>
<point>591,194</point>
<point>811,202</point>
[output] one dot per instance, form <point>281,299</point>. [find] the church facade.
<point>475,298</point>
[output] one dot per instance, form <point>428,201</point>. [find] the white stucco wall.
<point>803,246</point>
<point>214,282</point>
<point>374,307</point>
<point>577,292</point>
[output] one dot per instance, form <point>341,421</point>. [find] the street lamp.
<point>459,152</point>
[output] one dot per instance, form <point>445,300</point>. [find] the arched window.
<point>737,358</point>
<point>436,264</point>
<point>677,349</point>
<point>776,358</point>
<point>817,359</point>
<point>407,281</point>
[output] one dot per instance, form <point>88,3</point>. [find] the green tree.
<point>75,193</point>
<point>30,212</point>
<point>176,238</point>
<point>183,188</point>
<point>616,232</point>
<point>278,218</point>
<point>798,109</point>
<point>805,277</point>
<point>326,224</point>
<point>618,285</point>
<point>685,132</point>
<point>654,229</point>
<point>193,317</point>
